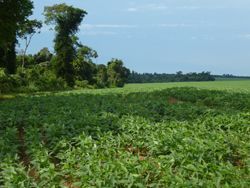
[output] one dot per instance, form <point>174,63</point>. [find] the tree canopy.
<point>117,73</point>
<point>66,20</point>
<point>70,64</point>
<point>13,14</point>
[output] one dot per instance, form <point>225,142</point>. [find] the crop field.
<point>144,135</point>
<point>229,85</point>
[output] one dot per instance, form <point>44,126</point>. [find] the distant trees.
<point>13,15</point>
<point>178,77</point>
<point>66,20</point>
<point>43,56</point>
<point>117,73</point>
<point>230,76</point>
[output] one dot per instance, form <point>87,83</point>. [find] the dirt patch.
<point>70,185</point>
<point>22,149</point>
<point>6,97</point>
<point>172,100</point>
<point>23,156</point>
<point>141,152</point>
<point>69,182</point>
<point>34,174</point>
<point>237,161</point>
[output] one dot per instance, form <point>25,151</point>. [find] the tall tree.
<point>66,20</point>
<point>84,68</point>
<point>26,32</point>
<point>117,73</point>
<point>13,14</point>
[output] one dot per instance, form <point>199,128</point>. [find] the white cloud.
<point>93,27</point>
<point>132,9</point>
<point>112,26</point>
<point>188,7</point>
<point>175,25</point>
<point>159,7</point>
<point>148,7</point>
<point>96,33</point>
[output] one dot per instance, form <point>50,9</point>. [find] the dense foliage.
<point>135,77</point>
<point>117,73</point>
<point>72,63</point>
<point>33,79</point>
<point>39,74</point>
<point>230,76</point>
<point>13,15</point>
<point>67,20</point>
<point>180,137</point>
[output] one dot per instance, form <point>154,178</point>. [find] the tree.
<point>2,54</point>
<point>44,55</point>
<point>13,14</point>
<point>66,20</point>
<point>29,59</point>
<point>84,68</point>
<point>161,78</point>
<point>87,53</point>
<point>26,32</point>
<point>117,73</point>
<point>101,76</point>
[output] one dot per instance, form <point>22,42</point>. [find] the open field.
<point>229,85</point>
<point>144,135</point>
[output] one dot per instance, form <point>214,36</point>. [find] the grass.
<point>143,135</point>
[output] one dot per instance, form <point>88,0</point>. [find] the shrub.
<point>31,80</point>
<point>82,84</point>
<point>8,83</point>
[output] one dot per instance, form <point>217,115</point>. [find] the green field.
<point>144,135</point>
<point>242,86</point>
<point>230,85</point>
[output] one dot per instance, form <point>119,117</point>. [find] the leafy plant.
<point>178,137</point>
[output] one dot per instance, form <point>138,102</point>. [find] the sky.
<point>163,36</point>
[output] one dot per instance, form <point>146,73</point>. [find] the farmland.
<point>232,85</point>
<point>143,135</point>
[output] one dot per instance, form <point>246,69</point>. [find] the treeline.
<point>230,76</point>
<point>135,77</point>
<point>70,67</point>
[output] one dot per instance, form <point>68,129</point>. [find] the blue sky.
<point>163,35</point>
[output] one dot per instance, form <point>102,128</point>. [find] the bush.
<point>41,79</point>
<point>8,83</point>
<point>82,84</point>
<point>31,80</point>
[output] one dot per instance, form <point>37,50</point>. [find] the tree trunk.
<point>11,58</point>
<point>2,60</point>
